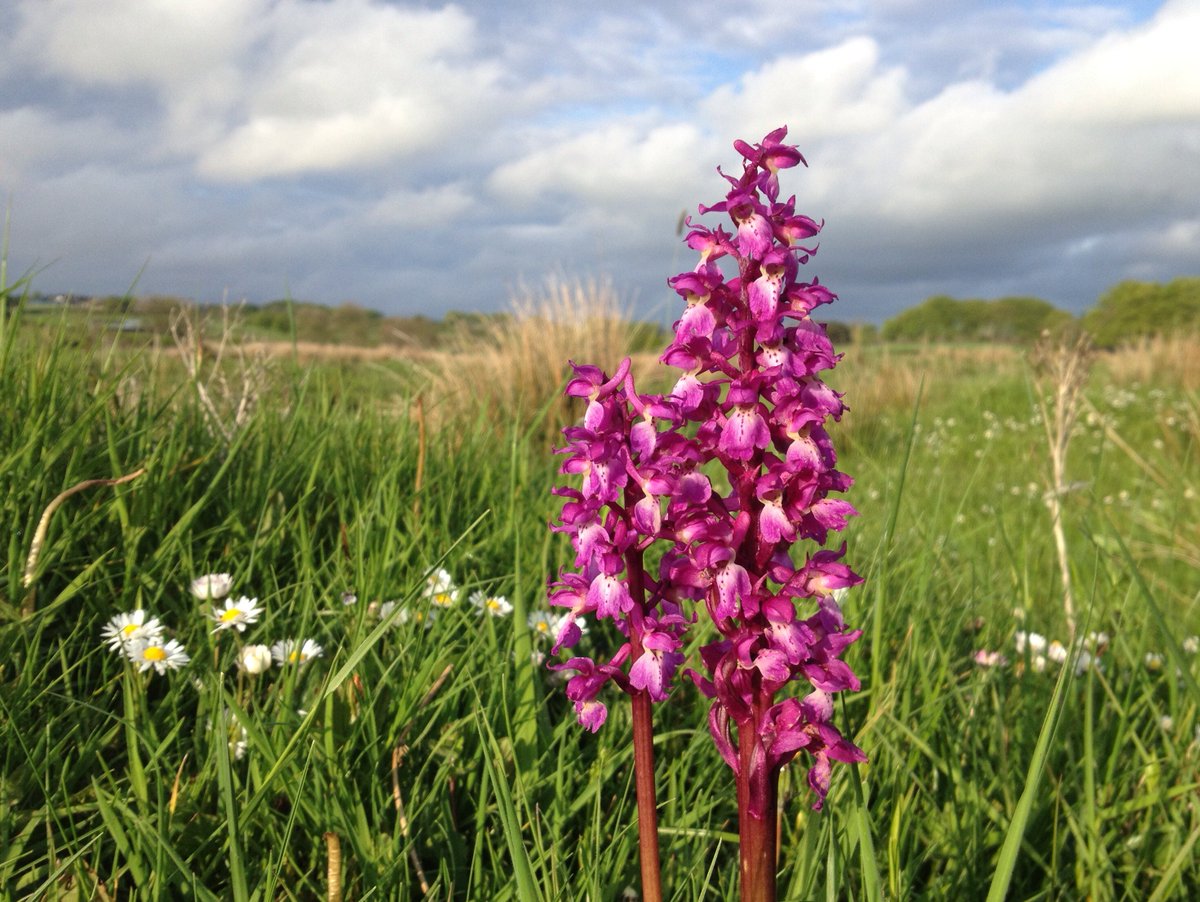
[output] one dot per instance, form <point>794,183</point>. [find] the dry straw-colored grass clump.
<point>881,379</point>
<point>512,369</point>
<point>309,351</point>
<point>1173,359</point>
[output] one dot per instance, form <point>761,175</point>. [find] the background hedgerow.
<point>436,752</point>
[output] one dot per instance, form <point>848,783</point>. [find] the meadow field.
<point>392,511</point>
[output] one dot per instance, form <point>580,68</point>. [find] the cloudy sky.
<point>416,157</point>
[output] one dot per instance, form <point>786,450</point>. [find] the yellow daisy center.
<point>493,605</point>
<point>231,614</point>
<point>130,628</point>
<point>294,657</point>
<point>154,653</point>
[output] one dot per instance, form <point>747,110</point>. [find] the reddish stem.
<point>759,836</point>
<point>643,746</point>
<point>647,803</point>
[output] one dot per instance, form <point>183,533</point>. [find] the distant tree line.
<point>1007,320</point>
<point>1129,311</point>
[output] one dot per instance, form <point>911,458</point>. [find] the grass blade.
<point>527,888</point>
<point>1007,861</point>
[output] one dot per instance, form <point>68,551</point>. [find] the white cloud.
<point>161,43</point>
<point>1146,75</point>
<point>840,91</point>
<point>421,209</point>
<point>254,88</point>
<point>626,164</point>
<point>355,84</point>
<point>1073,141</point>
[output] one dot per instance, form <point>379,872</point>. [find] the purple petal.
<point>745,430</point>
<point>591,714</point>
<point>609,596</point>
<point>733,584</point>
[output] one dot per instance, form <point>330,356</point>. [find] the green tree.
<point>943,318</point>
<point>1131,310</point>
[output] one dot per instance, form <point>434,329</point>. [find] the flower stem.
<point>758,836</point>
<point>643,747</point>
<point>647,803</point>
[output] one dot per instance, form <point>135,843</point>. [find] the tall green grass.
<point>439,751</point>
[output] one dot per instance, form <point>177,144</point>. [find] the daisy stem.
<point>137,773</point>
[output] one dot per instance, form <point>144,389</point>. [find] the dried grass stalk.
<point>511,367</point>
<point>228,384</point>
<point>1061,368</point>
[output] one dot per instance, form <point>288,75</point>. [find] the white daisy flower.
<point>292,651</point>
<point>987,658</point>
<point>162,655</point>
<point>255,659</point>
<point>496,605</point>
<point>1191,644</point>
<point>1154,661</point>
<point>1035,641</point>
<point>424,618</point>
<point>236,614</point>
<point>212,586</point>
<point>406,614</point>
<point>546,625</point>
<point>440,589</point>
<point>349,598</point>
<point>1097,640</point>
<point>125,629</point>
<point>1056,652</point>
